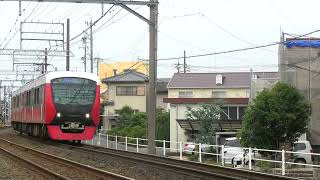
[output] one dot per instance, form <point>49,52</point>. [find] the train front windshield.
<point>75,95</point>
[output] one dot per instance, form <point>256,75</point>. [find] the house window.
<point>218,94</point>
<point>130,90</point>
<point>140,90</point>
<point>232,113</point>
<point>185,94</point>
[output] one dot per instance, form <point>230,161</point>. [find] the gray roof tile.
<point>208,80</point>
<point>127,76</point>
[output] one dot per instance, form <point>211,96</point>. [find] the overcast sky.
<point>199,27</point>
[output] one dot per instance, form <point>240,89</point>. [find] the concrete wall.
<point>299,67</point>
<point>177,134</point>
<point>207,93</point>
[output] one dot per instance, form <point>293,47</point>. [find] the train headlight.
<point>87,115</point>
<point>58,115</point>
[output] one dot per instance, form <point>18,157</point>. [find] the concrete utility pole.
<point>98,61</point>
<point>68,46</point>
<point>153,28</point>
<point>84,40</point>
<point>45,60</point>
<point>91,48</point>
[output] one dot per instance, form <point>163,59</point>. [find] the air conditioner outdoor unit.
<point>219,79</point>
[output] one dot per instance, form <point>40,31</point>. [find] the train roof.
<point>46,78</point>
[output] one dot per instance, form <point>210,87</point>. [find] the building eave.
<point>238,101</point>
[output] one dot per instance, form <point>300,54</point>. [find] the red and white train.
<point>59,105</point>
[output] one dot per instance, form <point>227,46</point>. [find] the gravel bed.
<point>13,170</point>
<point>109,163</point>
<point>58,167</point>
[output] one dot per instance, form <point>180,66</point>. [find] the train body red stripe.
<point>50,109</point>
<point>95,113</point>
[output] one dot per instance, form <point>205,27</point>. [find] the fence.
<point>248,157</point>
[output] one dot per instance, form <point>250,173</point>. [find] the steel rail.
<point>185,167</point>
<point>101,174</point>
<point>44,171</point>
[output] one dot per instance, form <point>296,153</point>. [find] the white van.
<point>302,147</point>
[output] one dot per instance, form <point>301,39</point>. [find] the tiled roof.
<point>208,80</point>
<point>127,76</point>
<point>162,84</point>
<point>132,76</point>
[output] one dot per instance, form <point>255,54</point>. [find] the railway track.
<point>54,167</point>
<point>188,168</point>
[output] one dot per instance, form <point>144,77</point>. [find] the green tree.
<point>134,124</point>
<point>207,115</point>
<point>275,116</point>
<point>125,116</point>
<point>163,125</point>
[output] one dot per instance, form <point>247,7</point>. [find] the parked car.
<point>232,148</point>
<point>302,147</point>
<point>190,148</point>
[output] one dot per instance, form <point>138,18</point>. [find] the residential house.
<point>190,90</point>
<point>129,88</point>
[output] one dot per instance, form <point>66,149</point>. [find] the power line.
<point>230,33</point>
<point>232,51</point>
<point>18,29</point>
<point>94,23</point>
<point>15,23</point>
<point>99,28</point>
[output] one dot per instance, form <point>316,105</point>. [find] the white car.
<point>190,148</point>
<point>232,148</point>
<point>302,147</point>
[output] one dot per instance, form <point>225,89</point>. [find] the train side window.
<point>28,98</point>
<point>35,96</point>
<point>40,94</point>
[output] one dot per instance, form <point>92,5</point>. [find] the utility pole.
<point>45,60</point>
<point>84,40</point>
<point>153,26</point>
<point>91,48</point>
<point>184,62</point>
<point>98,61</point>
<point>5,103</point>
<point>178,66</point>
<point>68,46</point>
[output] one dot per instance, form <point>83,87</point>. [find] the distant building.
<point>261,81</point>
<point>193,89</point>
<point>299,66</point>
<point>110,69</point>
<point>129,88</point>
